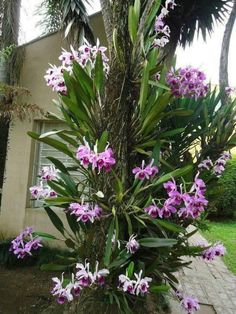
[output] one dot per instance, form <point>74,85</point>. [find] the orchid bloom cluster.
<point>101,160</point>
<point>55,80</point>
<point>211,252</point>
<point>187,82</point>
<point>65,292</point>
<point>86,278</point>
<point>25,242</point>
<point>115,242</point>
<point>219,166</point>
<point>132,245</point>
<point>42,190</point>
<point>145,172</point>
<point>230,90</point>
<point>206,164</point>
<point>185,204</point>
<point>83,278</point>
<point>160,27</point>
<point>220,163</point>
<point>189,303</point>
<point>135,287</point>
<point>85,55</point>
<point>85,212</point>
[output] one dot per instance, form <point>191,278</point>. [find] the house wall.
<point>15,213</point>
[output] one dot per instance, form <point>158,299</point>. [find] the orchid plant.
<point>127,226</point>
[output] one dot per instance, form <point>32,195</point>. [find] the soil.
<point>25,290</point>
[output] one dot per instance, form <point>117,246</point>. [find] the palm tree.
<point>194,16</point>
<point>70,15</point>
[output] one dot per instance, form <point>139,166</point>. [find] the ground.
<point>225,231</point>
<point>24,290</point>
<point>211,282</point>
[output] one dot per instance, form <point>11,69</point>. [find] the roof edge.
<point>52,33</point>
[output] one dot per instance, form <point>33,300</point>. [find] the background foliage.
<point>222,194</point>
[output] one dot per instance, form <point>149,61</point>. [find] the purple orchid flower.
<point>132,245</point>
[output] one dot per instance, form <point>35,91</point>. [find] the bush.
<point>222,196</point>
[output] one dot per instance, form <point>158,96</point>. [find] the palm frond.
<point>9,22</point>
<point>70,15</point>
<point>200,16</point>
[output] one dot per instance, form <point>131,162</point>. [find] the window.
<point>42,151</point>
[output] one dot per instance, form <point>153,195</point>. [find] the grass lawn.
<point>226,232</point>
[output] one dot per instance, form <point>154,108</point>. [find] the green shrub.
<point>222,195</point>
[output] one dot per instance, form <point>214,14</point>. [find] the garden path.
<point>212,283</point>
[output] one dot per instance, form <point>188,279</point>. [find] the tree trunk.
<point>223,77</point>
<point>9,35</point>
<point>120,93</point>
<point>106,13</point>
<point>4,130</point>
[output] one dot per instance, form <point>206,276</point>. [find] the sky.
<point>199,54</point>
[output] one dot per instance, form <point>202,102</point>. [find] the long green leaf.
<point>44,235</point>
<point>172,132</point>
<point>69,183</point>
<point>174,174</point>
<point>99,73</point>
<point>152,15</point>
<point>54,143</point>
<point>170,226</point>
<point>58,164</point>
<point>130,270</point>
<point>102,141</point>
<point>53,267</point>
<point>55,220</point>
<point>162,86</point>
<point>137,9</point>
<point>157,242</point>
<point>129,223</point>
<point>59,200</point>
<point>58,189</point>
<point>159,289</point>
<point>121,259</point>
<point>156,152</point>
<point>144,85</point>
<point>132,24</point>
<point>84,78</point>
<point>108,248</point>
<point>77,109</point>
<point>74,225</point>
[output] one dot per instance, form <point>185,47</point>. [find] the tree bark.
<point>120,91</point>
<point>223,75</point>
<point>4,130</point>
<point>9,35</point>
<point>106,13</point>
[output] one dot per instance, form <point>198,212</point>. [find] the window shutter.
<point>43,151</point>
